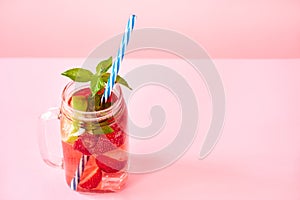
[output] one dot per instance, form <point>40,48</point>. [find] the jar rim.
<point>91,115</point>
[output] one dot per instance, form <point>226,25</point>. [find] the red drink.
<point>100,136</point>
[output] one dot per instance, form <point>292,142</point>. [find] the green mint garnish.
<point>78,74</point>
<point>97,80</point>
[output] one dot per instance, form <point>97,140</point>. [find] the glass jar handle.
<point>51,114</point>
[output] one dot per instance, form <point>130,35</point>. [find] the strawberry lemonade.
<point>99,134</point>
<point>93,121</point>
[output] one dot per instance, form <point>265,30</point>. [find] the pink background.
<point>257,156</point>
<point>227,29</point>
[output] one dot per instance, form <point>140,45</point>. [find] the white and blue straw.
<point>117,63</point>
<point>109,86</point>
<point>80,168</point>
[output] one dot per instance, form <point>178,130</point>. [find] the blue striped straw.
<point>110,84</point>
<point>117,63</point>
<point>80,168</point>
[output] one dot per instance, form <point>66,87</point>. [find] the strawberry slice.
<point>92,180</point>
<point>85,143</point>
<point>103,145</point>
<point>79,146</point>
<point>110,165</point>
<point>89,144</point>
<point>117,137</point>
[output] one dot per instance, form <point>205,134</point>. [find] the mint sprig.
<point>98,80</point>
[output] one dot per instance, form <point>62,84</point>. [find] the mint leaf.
<point>79,103</point>
<point>103,66</point>
<point>96,84</point>
<point>122,82</point>
<point>103,130</point>
<point>78,74</point>
<point>119,79</point>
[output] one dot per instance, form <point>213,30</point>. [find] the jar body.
<point>94,144</point>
